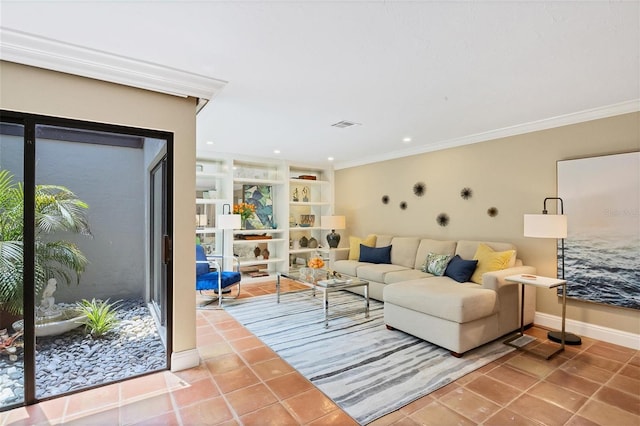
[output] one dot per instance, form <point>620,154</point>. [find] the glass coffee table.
<point>326,287</point>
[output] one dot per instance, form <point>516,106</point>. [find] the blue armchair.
<point>215,281</point>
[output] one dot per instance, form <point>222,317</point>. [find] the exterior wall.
<point>512,174</point>
<point>39,91</point>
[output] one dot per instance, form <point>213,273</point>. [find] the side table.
<point>544,282</point>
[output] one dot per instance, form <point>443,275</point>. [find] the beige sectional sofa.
<point>454,315</point>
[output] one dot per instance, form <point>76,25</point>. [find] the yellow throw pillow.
<point>490,260</point>
<point>354,245</point>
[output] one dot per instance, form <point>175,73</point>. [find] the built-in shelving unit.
<point>225,180</point>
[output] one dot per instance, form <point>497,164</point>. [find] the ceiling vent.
<point>344,124</point>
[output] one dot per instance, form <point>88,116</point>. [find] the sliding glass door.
<point>11,263</point>
<point>92,301</point>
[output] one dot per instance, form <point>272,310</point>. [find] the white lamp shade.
<point>333,222</point>
<point>229,221</point>
<point>545,225</point>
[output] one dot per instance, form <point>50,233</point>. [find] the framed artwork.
<point>602,250</point>
<point>260,197</point>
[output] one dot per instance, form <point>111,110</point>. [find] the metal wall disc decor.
<point>403,205</point>
<point>443,219</point>
<point>385,199</point>
<point>492,211</point>
<point>419,189</point>
<point>466,193</point>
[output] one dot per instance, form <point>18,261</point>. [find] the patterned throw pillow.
<point>436,264</point>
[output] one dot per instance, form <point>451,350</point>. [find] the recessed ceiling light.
<point>276,151</point>
<point>209,142</point>
<point>330,158</point>
<point>406,140</point>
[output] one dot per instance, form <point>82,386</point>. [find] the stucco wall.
<point>512,174</point>
<point>39,91</point>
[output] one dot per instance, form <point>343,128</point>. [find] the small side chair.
<point>217,281</point>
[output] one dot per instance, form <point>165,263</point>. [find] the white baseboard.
<point>598,332</point>
<point>185,360</point>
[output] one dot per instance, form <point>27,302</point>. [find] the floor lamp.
<point>551,226</point>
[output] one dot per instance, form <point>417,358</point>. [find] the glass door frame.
<point>30,121</point>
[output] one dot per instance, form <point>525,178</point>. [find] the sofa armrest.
<point>496,279</point>
<point>337,254</point>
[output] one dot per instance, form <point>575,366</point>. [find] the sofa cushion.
<point>459,269</point>
<point>375,254</point>
<point>427,246</point>
<point>443,298</point>
<point>377,272</point>
<point>383,240</point>
<point>404,251</point>
<point>405,275</point>
<point>348,267</point>
<point>354,245</point>
<point>436,264</point>
<point>490,260</point>
<point>467,249</point>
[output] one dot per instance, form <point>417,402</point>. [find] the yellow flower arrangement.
<point>245,210</point>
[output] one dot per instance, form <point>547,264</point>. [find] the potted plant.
<point>56,209</point>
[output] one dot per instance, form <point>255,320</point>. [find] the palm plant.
<point>56,209</point>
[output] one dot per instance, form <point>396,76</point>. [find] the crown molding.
<point>33,50</point>
<point>533,126</point>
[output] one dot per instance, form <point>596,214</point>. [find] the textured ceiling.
<point>441,73</point>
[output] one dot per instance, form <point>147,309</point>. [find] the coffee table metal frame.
<point>326,289</point>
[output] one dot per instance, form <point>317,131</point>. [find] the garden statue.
<point>47,303</point>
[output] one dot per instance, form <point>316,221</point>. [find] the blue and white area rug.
<point>367,370</point>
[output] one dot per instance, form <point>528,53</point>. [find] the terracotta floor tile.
<point>390,419</point>
<point>250,398</point>
<point>604,414</point>
<point>622,400</point>
<point>215,349</point>
<point>575,383</point>
<point>211,412</point>
<point>236,333</point>
<point>166,419</point>
<point>272,368</point>
<point>309,406</point>
<point>140,387</point>
<point>33,415</point>
<point>246,343</point>
<point>259,354</point>
<point>600,362</point>
<point>336,417</point>
<point>272,415</point>
<point>193,374</point>
<point>585,370</point>
<point>205,339</point>
<point>612,352</point>
<point>625,384</point>
<point>539,410</point>
<point>421,402</point>
<point>236,379</point>
<point>224,363</point>
<point>436,414</point>
<point>577,420</point>
<point>562,397</point>
<point>632,371</point>
<point>104,417</point>
<point>134,411</point>
<point>94,399</point>
<point>507,417</point>
<point>195,392</point>
<point>493,390</point>
<point>534,366</point>
<point>288,385</point>
<point>470,404</point>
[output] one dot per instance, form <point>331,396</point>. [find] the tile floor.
<point>242,382</point>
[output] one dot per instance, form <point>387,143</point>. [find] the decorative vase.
<point>304,242</point>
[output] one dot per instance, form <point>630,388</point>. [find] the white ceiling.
<point>441,73</point>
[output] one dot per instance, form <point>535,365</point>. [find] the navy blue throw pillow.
<point>375,254</point>
<point>460,269</point>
